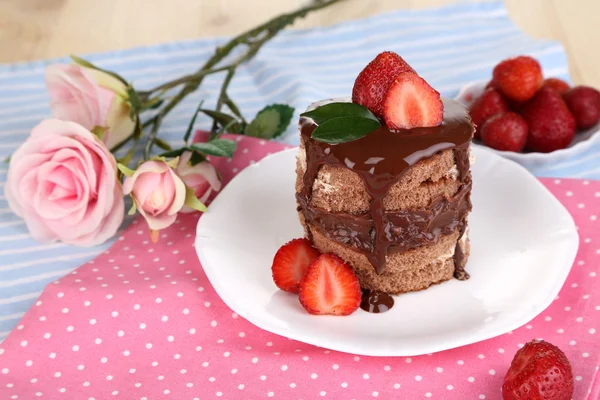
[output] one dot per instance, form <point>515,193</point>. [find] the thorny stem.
<point>253,39</point>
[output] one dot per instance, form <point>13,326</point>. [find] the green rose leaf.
<point>224,119</point>
<point>173,153</point>
<point>344,129</point>
<point>271,121</point>
<point>216,147</point>
<point>196,158</point>
<point>337,110</point>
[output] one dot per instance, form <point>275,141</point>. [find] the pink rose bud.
<point>91,98</point>
<point>201,178</point>
<point>63,182</point>
<point>158,194</point>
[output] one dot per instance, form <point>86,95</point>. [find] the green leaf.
<point>223,119</point>
<point>344,129</point>
<point>265,125</point>
<point>268,126</point>
<point>84,63</point>
<point>234,108</point>
<point>336,110</point>
<point>190,127</point>
<point>125,170</point>
<point>192,201</point>
<point>99,131</point>
<point>196,158</point>
<point>216,147</point>
<point>133,208</point>
<point>153,103</point>
<point>162,144</point>
<point>174,153</point>
<point>134,100</point>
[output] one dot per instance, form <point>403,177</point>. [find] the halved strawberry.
<point>329,287</point>
<point>375,79</point>
<point>290,263</point>
<point>412,103</point>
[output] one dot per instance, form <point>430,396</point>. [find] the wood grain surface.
<point>38,29</point>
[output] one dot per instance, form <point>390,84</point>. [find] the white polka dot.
<point>28,363</point>
<point>592,331</point>
<point>86,383</point>
<point>109,296</point>
<point>313,376</point>
<point>356,358</point>
<point>75,348</point>
<point>42,318</point>
<point>205,364</point>
<point>481,356</point>
<point>57,374</point>
<point>375,394</point>
<point>439,369</point>
<point>126,353</point>
<point>109,377</point>
<point>585,355</point>
<point>65,310</point>
<point>569,193</point>
<point>408,360</point>
<point>142,326</point>
<point>170,338</point>
<point>234,371</point>
<point>103,360</point>
<point>138,384</point>
<point>80,367</point>
<point>548,319</point>
<point>186,311</point>
<point>47,335</point>
<point>482,396</point>
<point>270,394</point>
<point>578,378</point>
<point>365,376</point>
<point>177,356</point>
<point>213,323</point>
<point>305,358</point>
<point>167,391</point>
<point>344,385</point>
<point>471,379</point>
<point>560,330</point>
<point>158,300</point>
<point>418,378</point>
<point>263,378</point>
<point>492,372</point>
<point>114,314</point>
<point>23,343</point>
<point>115,392</point>
<point>428,394</point>
<point>52,355</point>
<point>148,346</point>
<point>449,387</point>
<point>335,366</point>
<point>292,385</point>
<point>460,362</point>
<point>161,377</point>
<point>154,363</point>
<point>120,334</point>
<point>136,306</point>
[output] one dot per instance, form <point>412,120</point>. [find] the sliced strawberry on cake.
<point>290,263</point>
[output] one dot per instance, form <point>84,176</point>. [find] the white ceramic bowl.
<point>582,141</point>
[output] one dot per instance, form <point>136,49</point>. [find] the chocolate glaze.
<point>376,302</point>
<point>380,159</point>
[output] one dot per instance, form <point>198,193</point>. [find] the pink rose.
<point>201,178</point>
<point>158,193</point>
<point>91,98</point>
<point>63,182</point>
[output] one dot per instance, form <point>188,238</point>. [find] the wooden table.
<point>37,29</point>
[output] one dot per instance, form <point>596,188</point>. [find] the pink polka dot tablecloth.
<point>142,321</point>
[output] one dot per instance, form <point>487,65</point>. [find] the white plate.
<point>583,140</point>
<point>523,244</point>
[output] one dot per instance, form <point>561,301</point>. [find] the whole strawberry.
<point>551,124</point>
<point>557,84</point>
<point>518,78</point>
<point>506,131</point>
<point>487,105</point>
<point>540,370</point>
<point>374,81</point>
<point>584,103</point>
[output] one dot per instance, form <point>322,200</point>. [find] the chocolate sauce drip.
<point>380,159</point>
<point>376,302</point>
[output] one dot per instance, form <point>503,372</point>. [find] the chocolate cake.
<point>392,204</point>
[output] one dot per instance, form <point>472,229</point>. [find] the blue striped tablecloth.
<point>448,46</point>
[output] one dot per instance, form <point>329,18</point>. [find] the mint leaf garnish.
<point>336,110</point>
<point>344,129</point>
<point>342,122</point>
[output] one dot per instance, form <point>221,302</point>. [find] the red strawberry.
<point>490,84</point>
<point>375,79</point>
<point>584,103</point>
<point>290,263</point>
<point>329,287</point>
<point>487,105</point>
<point>506,131</point>
<point>551,124</point>
<point>412,103</point>
<point>557,84</point>
<point>540,370</point>
<point>518,78</point>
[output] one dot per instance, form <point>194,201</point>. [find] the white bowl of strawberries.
<point>534,121</point>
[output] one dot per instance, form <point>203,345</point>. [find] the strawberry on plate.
<point>518,78</point>
<point>411,103</point>
<point>506,132</point>
<point>290,263</point>
<point>485,106</point>
<point>539,371</point>
<point>584,103</point>
<point>551,124</point>
<point>329,287</point>
<point>375,79</point>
